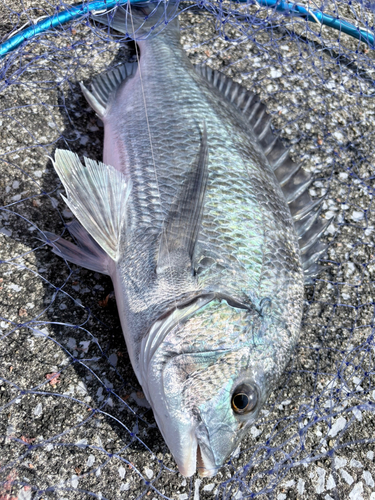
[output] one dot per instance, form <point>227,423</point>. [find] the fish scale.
<point>206,260</point>
<point>171,161</point>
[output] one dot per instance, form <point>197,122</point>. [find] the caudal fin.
<point>140,21</point>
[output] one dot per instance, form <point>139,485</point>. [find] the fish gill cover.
<point>74,422</point>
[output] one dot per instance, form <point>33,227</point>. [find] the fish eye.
<point>244,399</point>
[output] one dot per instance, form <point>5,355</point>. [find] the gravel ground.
<point>74,421</point>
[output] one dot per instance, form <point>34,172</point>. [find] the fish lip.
<point>187,466</point>
<point>196,461</point>
<point>204,465</point>
<point>183,440</point>
<point>195,457</point>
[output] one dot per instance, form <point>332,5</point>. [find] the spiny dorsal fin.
<point>104,86</point>
<point>97,196</point>
<point>232,91</point>
<point>294,181</point>
<point>183,222</point>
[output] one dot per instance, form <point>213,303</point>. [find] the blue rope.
<point>316,15</point>
<point>58,19</point>
<point>292,9</point>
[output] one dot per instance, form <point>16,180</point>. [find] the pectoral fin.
<point>183,222</point>
<point>97,196</point>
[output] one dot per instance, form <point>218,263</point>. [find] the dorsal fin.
<point>232,91</point>
<point>183,221</point>
<point>294,181</point>
<point>105,85</point>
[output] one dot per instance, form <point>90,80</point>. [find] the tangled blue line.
<point>292,9</point>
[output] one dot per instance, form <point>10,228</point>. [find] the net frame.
<point>327,388</point>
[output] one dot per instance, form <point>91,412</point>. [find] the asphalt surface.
<point>74,421</point>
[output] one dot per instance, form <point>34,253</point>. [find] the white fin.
<point>96,105</point>
<point>97,196</point>
<point>104,86</point>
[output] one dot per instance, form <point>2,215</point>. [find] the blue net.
<point>74,421</point>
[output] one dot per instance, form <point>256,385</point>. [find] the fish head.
<point>207,382</point>
<point>209,411</point>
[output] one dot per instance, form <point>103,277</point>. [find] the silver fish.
<point>205,226</point>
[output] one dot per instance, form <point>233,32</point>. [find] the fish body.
<point>188,217</point>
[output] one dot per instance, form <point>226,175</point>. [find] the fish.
<point>207,230</point>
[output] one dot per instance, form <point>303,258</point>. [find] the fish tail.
<point>143,20</point>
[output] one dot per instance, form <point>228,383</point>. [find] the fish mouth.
<point>204,465</point>
<point>183,430</point>
<point>196,461</point>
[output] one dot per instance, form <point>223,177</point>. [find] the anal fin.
<point>87,253</point>
<point>104,86</point>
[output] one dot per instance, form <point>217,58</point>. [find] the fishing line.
<point>163,235</point>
